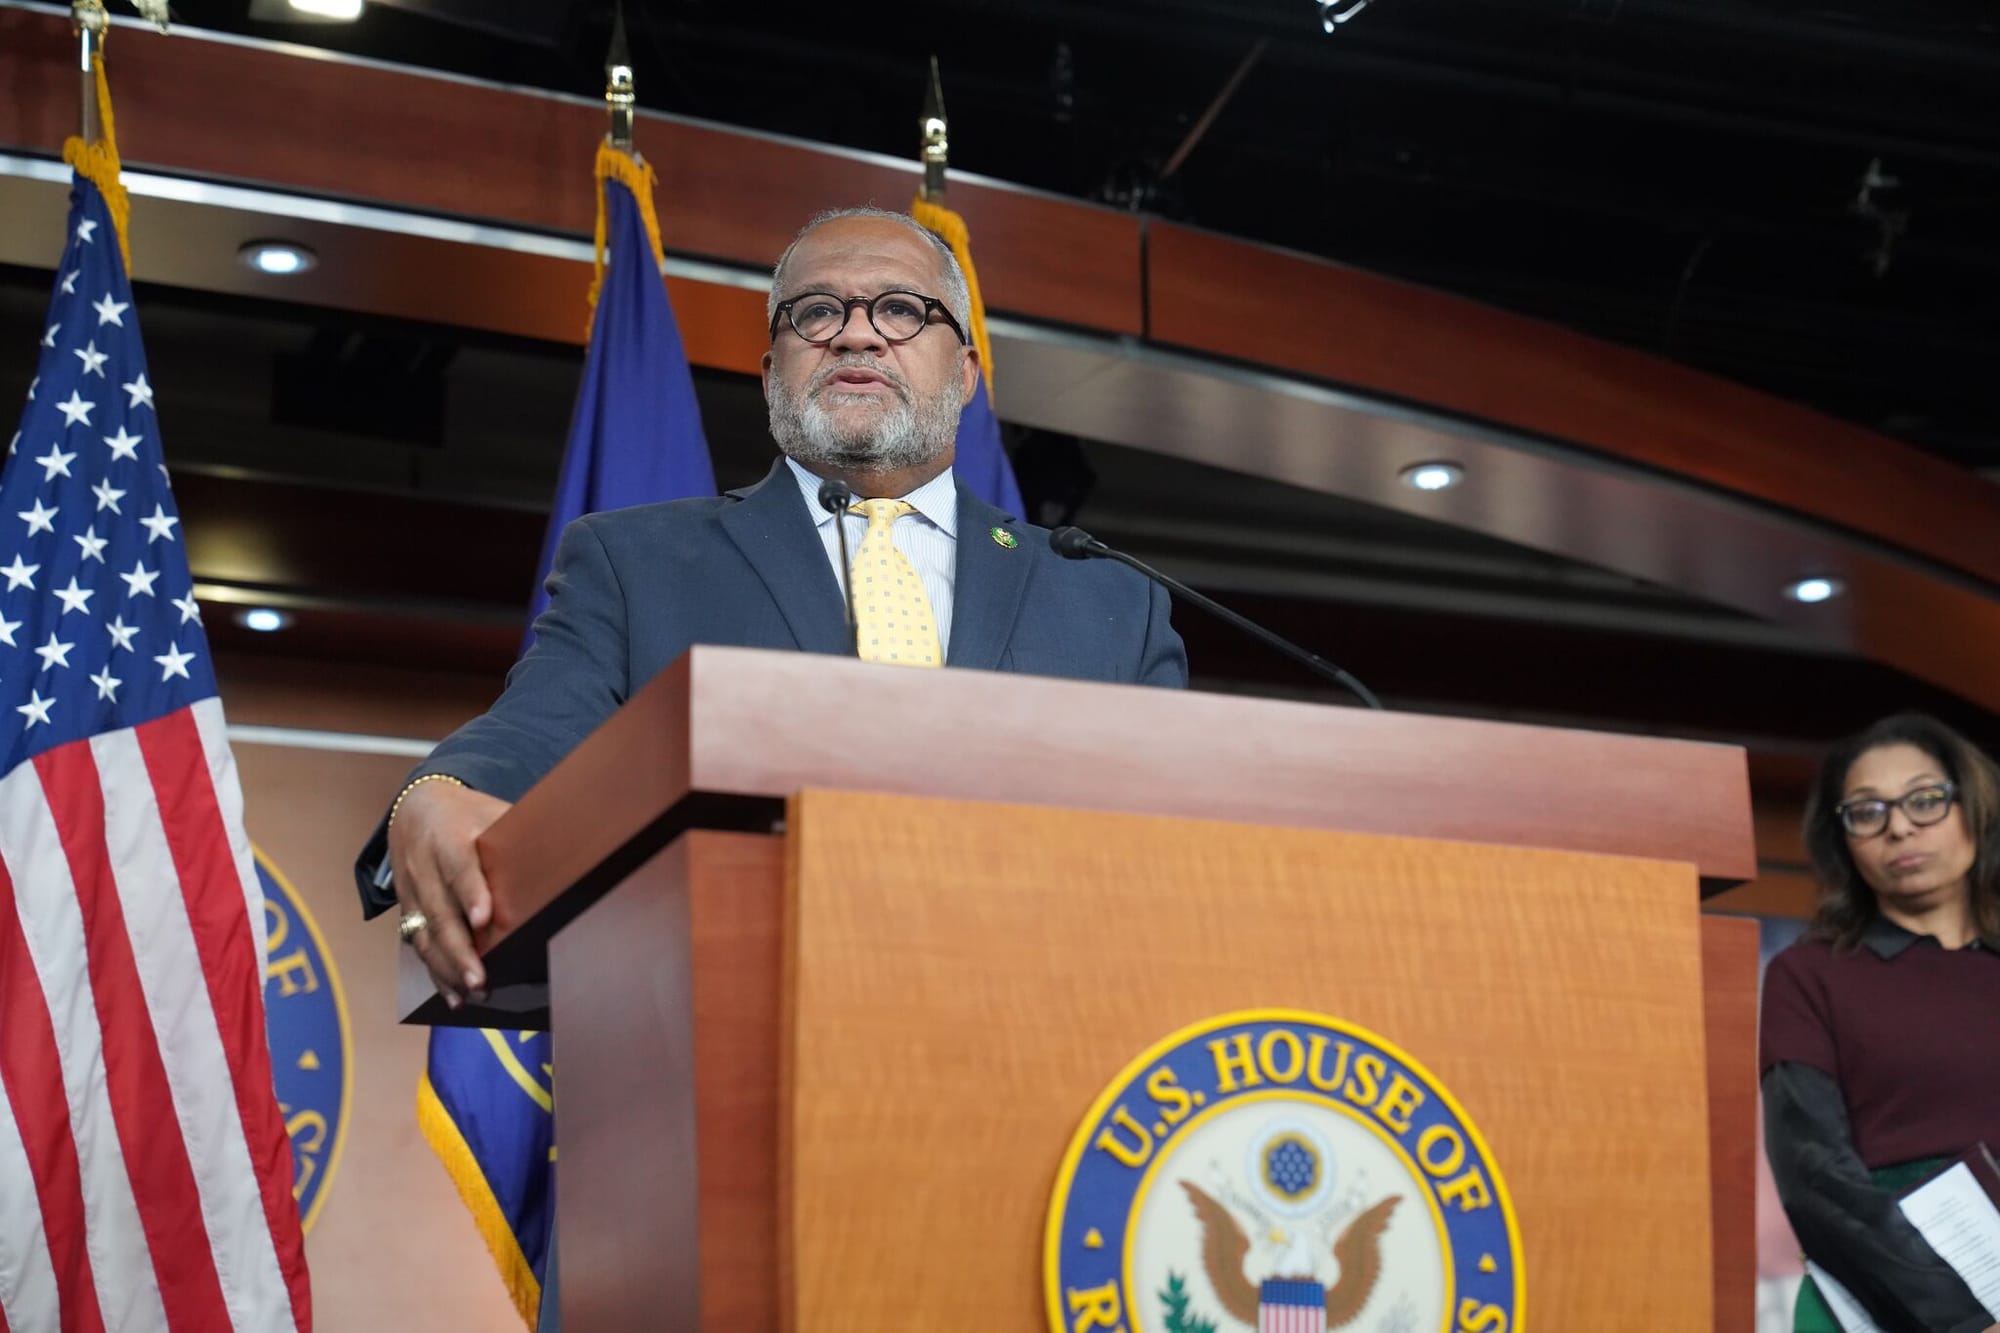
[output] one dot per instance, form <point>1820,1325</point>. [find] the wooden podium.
<point>839,956</point>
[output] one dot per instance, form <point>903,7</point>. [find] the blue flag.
<point>636,436</point>
<point>981,462</point>
<point>486,1103</point>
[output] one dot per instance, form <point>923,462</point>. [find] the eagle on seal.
<point>1224,1244</point>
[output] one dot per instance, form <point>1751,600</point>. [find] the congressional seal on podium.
<point>1285,1172</point>
<point>305,1015</point>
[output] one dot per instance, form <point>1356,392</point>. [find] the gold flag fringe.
<point>950,228</point>
<point>443,1135</point>
<point>636,175</point>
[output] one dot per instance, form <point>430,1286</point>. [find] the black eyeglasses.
<point>1867,816</point>
<point>818,317</point>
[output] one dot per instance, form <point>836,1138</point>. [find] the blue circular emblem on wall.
<point>305,1014</point>
<point>1276,1168</point>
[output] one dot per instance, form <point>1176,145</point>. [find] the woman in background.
<point>1880,1041</point>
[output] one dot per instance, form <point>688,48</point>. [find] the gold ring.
<point>411,923</point>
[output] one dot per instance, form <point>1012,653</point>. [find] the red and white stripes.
<point>145,1173</point>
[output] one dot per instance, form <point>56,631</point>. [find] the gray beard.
<point>906,434</point>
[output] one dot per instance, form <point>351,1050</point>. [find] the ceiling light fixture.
<point>263,619</point>
<point>1432,476</point>
<point>280,258</point>
<point>1814,590</point>
<point>1332,13</point>
<point>340,11</point>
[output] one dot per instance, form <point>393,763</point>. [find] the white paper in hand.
<point>1962,1225</point>
<point>1954,1215</point>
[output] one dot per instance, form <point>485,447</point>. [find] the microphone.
<point>1076,544</point>
<point>835,499</point>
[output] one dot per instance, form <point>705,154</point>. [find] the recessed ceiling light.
<point>282,258</point>
<point>1432,476</point>
<point>263,619</point>
<point>1815,590</point>
<point>344,11</point>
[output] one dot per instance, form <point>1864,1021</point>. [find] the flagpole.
<point>620,96</point>
<point>936,145</point>
<point>90,21</point>
<point>981,460</point>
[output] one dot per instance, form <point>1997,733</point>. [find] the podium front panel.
<point>963,981</point>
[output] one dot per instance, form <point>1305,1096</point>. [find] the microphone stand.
<point>835,498</point>
<point>1076,544</point>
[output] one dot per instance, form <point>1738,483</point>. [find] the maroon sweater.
<point>1908,1029</point>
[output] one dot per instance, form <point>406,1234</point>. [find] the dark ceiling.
<point>1685,176</point>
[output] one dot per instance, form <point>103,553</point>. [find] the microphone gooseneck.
<point>835,498</point>
<point>1074,543</point>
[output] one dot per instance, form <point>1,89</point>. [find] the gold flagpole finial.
<point>936,148</point>
<point>619,95</point>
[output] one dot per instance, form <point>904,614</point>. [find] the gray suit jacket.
<point>633,589</point>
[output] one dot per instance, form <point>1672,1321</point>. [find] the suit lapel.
<point>773,529</point>
<point>988,584</point>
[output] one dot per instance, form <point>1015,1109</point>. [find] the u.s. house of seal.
<point>1284,1172</point>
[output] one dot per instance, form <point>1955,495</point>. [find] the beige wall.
<point>392,1248</point>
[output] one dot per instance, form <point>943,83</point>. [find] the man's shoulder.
<point>1106,575</point>
<point>665,519</point>
<point>695,509</point>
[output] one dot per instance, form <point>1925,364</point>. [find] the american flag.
<point>1291,1306</point>
<point>145,1170</point>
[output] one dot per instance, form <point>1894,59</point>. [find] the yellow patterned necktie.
<point>892,612</point>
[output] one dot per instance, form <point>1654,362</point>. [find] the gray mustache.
<point>858,362</point>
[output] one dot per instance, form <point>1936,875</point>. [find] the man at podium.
<point>869,367</point>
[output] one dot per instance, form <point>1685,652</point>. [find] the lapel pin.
<point>1002,537</point>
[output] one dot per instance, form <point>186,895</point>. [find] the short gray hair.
<point>957,297</point>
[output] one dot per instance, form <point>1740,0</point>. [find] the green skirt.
<point>1811,1315</point>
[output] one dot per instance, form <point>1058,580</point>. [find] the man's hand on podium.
<point>436,867</point>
